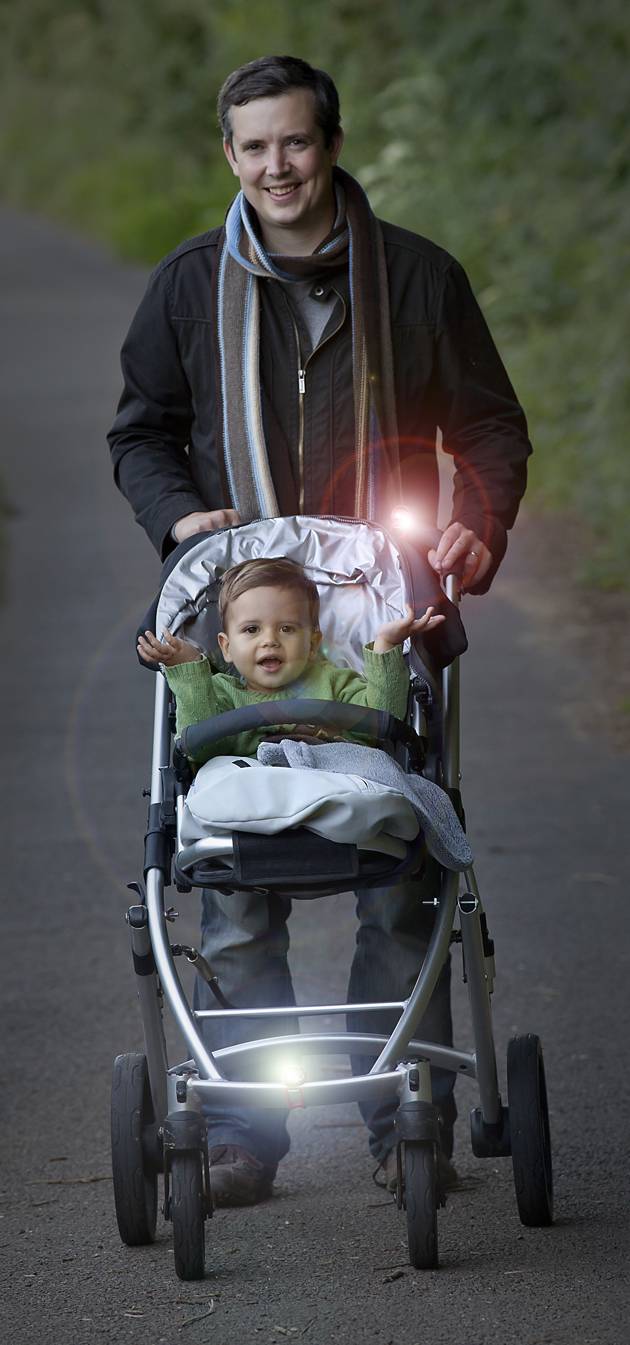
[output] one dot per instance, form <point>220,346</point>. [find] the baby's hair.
<point>276,573</point>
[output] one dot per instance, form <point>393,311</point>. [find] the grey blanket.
<point>443,832</point>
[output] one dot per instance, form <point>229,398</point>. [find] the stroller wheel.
<point>135,1179</point>
<point>187,1212</point>
<point>529,1131</point>
<point>421,1203</point>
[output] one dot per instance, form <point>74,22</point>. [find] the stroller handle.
<point>428,538</point>
<point>375,724</point>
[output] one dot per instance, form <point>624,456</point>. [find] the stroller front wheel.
<point>529,1131</point>
<point>187,1212</point>
<point>135,1178</point>
<point>421,1198</point>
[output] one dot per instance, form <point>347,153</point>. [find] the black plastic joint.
<point>417,1121</point>
<point>168,812</point>
<point>490,1141</point>
<point>488,943</point>
<point>137,917</point>
<point>183,769</point>
<point>183,1131</point>
<point>143,965</point>
<point>421,691</point>
<point>158,845</point>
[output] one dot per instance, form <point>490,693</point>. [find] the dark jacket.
<point>447,374</point>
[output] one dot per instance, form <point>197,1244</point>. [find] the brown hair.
<point>270,76</point>
<point>278,572</point>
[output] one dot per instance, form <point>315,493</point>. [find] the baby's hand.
<point>396,632</point>
<point>170,650</point>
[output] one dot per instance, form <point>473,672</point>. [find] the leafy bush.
<point>500,130</point>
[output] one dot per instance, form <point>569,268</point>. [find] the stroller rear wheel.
<point>421,1198</point>
<point>529,1131</point>
<point>187,1212</point>
<point>135,1179</point>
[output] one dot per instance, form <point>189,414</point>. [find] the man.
<point>301,359</point>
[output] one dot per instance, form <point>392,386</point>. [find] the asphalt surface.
<point>547,805</point>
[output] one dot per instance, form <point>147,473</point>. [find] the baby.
<point>270,616</point>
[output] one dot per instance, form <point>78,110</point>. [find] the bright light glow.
<point>293,1076</point>
<point>403,520</point>
<point>406,520</point>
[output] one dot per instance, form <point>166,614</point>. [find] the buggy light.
<point>293,1076</point>
<point>407,520</point>
<point>403,520</point>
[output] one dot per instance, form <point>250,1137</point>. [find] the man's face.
<point>284,168</point>
<point>268,637</point>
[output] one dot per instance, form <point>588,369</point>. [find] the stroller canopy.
<point>364,579</point>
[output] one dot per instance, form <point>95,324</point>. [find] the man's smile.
<point>283,191</point>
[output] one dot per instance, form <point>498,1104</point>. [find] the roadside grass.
<point>510,149</point>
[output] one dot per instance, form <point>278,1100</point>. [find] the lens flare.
<point>404,520</point>
<point>293,1076</point>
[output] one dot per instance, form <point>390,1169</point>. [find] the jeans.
<point>246,941</point>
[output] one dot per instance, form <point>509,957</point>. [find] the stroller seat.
<point>363,580</point>
<point>250,861</point>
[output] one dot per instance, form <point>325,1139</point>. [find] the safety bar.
<point>375,724</point>
<point>301,1010</point>
<point>316,1093</point>
<point>351,1043</point>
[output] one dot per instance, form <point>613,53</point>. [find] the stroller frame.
<point>169,1098</point>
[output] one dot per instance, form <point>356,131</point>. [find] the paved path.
<point>548,818</point>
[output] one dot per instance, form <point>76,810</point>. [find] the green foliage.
<point>501,130</point>
<point>508,137</point>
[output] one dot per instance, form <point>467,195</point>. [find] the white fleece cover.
<point>225,797</point>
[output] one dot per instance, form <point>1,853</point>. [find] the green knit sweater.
<point>201,693</point>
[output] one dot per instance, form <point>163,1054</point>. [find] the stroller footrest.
<point>297,856</point>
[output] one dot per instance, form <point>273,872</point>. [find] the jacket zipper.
<point>301,396</point>
<point>302,389</point>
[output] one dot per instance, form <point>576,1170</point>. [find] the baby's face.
<point>268,637</point>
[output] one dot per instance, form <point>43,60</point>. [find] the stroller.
<point>364,575</point>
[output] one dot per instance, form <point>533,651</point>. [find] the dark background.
<point>546,797</point>
<point>501,131</point>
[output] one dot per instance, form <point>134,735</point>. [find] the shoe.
<point>237,1177</point>
<point>446,1172</point>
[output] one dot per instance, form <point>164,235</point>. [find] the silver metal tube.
<point>154,1043</point>
<point>179,812</point>
<point>437,951</point>
<point>161,737</point>
<point>418,1001</point>
<point>170,980</point>
<point>480,1013</point>
<point>300,1010</point>
<point>453,590</point>
<point>422,1092</point>
<point>312,1094</point>
<point>349,1043</point>
<point>210,847</point>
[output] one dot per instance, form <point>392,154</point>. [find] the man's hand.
<point>456,543</point>
<point>169,650</point>
<point>215,518</point>
<point>395,632</point>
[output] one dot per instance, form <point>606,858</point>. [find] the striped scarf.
<point>243,265</point>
